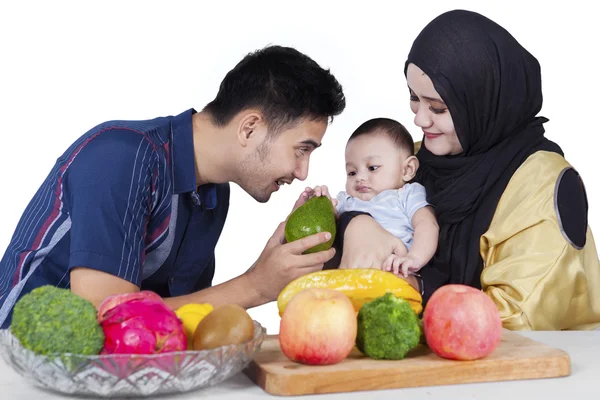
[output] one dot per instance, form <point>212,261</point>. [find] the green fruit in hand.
<point>314,216</point>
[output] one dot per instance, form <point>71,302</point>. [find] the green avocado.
<point>314,216</point>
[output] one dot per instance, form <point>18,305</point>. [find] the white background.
<point>67,66</point>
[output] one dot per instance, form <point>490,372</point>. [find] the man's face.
<point>281,159</point>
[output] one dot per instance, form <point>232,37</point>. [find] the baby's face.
<point>373,164</point>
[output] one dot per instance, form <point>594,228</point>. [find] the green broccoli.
<point>387,328</point>
<point>51,320</point>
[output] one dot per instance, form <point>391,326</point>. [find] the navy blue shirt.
<point>122,199</point>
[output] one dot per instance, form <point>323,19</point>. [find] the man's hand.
<point>281,262</point>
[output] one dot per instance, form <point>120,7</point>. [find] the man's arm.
<point>238,290</point>
<point>95,286</point>
<point>278,264</point>
<point>108,210</point>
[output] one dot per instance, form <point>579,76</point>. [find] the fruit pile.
<point>324,315</point>
<point>49,320</point>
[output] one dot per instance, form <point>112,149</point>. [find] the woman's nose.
<point>422,118</point>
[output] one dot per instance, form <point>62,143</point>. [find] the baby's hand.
<point>321,190</point>
<point>402,264</point>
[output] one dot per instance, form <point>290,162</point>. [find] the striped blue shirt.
<point>392,209</point>
<point>121,199</point>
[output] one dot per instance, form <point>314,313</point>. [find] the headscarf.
<point>492,88</point>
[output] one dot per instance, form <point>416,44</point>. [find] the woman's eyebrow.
<point>435,99</point>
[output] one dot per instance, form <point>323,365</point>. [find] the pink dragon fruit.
<point>140,323</point>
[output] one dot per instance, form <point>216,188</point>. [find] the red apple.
<point>318,327</point>
<point>461,323</point>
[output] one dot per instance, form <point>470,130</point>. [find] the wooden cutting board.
<point>515,358</point>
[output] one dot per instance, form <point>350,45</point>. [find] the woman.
<point>512,211</point>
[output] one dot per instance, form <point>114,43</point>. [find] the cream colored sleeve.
<point>536,277</point>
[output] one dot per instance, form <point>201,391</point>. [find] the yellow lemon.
<point>191,315</point>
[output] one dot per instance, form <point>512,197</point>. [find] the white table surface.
<point>583,383</point>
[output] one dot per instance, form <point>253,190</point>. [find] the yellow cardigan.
<point>536,278</point>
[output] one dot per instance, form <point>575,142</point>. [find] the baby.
<point>380,162</point>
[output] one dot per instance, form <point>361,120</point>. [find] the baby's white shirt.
<point>392,209</point>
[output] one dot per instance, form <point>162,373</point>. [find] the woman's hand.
<point>367,244</point>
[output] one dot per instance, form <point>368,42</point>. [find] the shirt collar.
<point>183,165</point>
<point>182,153</point>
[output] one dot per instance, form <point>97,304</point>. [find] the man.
<point>140,205</point>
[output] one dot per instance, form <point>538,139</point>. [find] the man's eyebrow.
<point>311,142</point>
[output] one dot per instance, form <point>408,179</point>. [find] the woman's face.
<point>431,114</point>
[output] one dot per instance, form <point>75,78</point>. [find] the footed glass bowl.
<point>119,375</point>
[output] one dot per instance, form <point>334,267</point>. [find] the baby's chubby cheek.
<point>364,196</point>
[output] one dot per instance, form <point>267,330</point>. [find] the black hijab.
<point>492,88</point>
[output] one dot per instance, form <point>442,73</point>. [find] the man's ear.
<point>250,126</point>
<point>409,168</point>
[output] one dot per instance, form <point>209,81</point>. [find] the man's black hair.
<point>283,84</point>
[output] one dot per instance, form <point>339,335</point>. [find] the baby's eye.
<point>351,173</point>
<point>373,167</point>
<point>413,98</point>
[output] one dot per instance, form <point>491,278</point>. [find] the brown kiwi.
<point>225,325</point>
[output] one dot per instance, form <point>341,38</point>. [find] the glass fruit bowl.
<point>126,375</point>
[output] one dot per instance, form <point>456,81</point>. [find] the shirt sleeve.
<point>414,199</point>
<point>552,293</point>
<point>109,195</point>
<point>341,205</point>
<point>536,276</point>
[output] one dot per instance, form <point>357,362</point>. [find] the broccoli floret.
<point>51,320</point>
<point>387,328</point>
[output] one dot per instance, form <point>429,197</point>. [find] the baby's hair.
<point>392,128</point>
